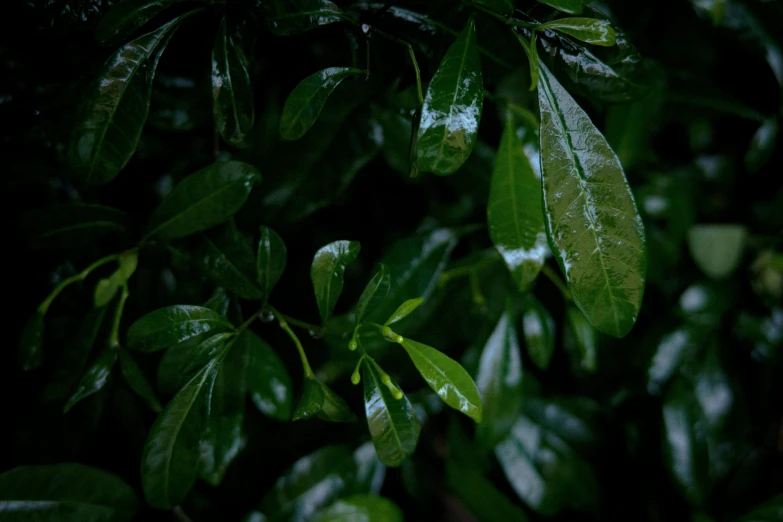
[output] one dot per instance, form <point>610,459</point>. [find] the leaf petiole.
<point>420,91</point>
<point>114,337</point>
<point>557,281</point>
<point>308,372</point>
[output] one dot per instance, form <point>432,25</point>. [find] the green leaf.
<point>452,108</point>
<point>590,30</point>
<point>94,379</point>
<point>361,508</point>
<point>319,400</point>
<point>762,145</point>
<point>514,211</point>
<point>592,222</point>
<point>232,90</point>
<point>64,493</point>
<point>114,111</point>
<point>374,293</point>
<point>204,199</point>
<point>137,380</point>
<point>499,382</point>
<point>327,273</point>
<point>567,6</point>
<point>769,511</point>
<point>717,249</point>
<point>107,288</point>
<point>271,260</point>
<point>174,324</point>
<point>311,483</point>
<point>404,310</point>
<point>127,16</point>
<point>583,345</point>
<point>170,462</point>
<point>71,225</point>
<point>219,301</point>
<point>673,350</point>
<point>228,259</point>
<point>31,343</point>
<point>538,328</point>
<point>446,377</point>
<point>505,7</point>
<point>181,362</point>
<point>480,496</point>
<point>308,98</point>
<point>370,472</point>
<point>394,426</point>
<point>286,17</point>
<point>267,378</point>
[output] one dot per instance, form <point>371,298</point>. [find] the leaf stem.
<point>557,281</point>
<point>468,270</point>
<point>308,372</point>
<point>412,54</point>
<point>114,337</point>
<point>296,322</point>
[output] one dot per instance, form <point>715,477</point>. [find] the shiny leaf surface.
<point>717,249</point>
<point>270,260</point>
<point>182,361</point>
<point>286,17</point>
<point>267,378</point>
<point>228,259</point>
<point>174,324</point>
<point>107,288</point>
<point>404,310</point>
<point>374,293</point>
<point>127,16</point>
<point>94,379</point>
<point>361,508</point>
<point>232,91</point>
<point>136,379</point>
<point>590,30</point>
<point>319,400</point>
<point>327,273</point>
<point>538,329</point>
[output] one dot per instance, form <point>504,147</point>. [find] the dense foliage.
<point>448,260</point>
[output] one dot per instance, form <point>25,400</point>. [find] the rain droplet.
<point>266,316</point>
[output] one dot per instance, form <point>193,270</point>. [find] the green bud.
<point>355,377</point>
<point>353,345</point>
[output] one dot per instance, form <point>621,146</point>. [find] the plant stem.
<point>114,337</point>
<point>467,270</point>
<point>412,54</point>
<point>308,372</point>
<point>296,322</point>
<point>557,281</point>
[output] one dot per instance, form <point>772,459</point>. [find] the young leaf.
<point>452,108</point>
<point>584,343</point>
<point>270,261</point>
<point>319,400</point>
<point>327,273</point>
<point>394,426</point>
<point>174,324</point>
<point>538,328</point>
<point>499,382</point>
<point>94,379</point>
<point>369,508</point>
<point>717,249</point>
<point>532,57</point>
<point>514,211</point>
<point>404,310</point>
<point>590,30</point>
<point>71,225</point>
<point>204,199</point>
<point>31,343</point>
<point>228,259</point>
<point>127,16</point>
<point>113,114</point>
<point>567,6</point>
<point>137,380</point>
<point>267,378</point>
<point>286,17</point>
<point>170,462</point>
<point>181,362</point>
<point>107,288</point>
<point>65,493</point>
<point>232,90</point>
<point>592,222</point>
<point>374,293</point>
<point>306,101</point>
<point>446,377</point>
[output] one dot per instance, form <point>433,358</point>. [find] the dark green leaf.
<point>229,260</point>
<point>108,287</point>
<point>394,426</point>
<point>567,6</point>
<point>404,310</point>
<point>501,6</point>
<point>64,493</point>
<point>137,380</point>
<point>769,511</point>
<point>590,30</point>
<point>307,100</point>
<point>174,324</point>
<point>94,379</point>
<point>370,472</point>
<point>374,293</point>
<point>319,400</point>
<point>591,217</point>
<point>232,90</point>
<point>204,199</point>
<point>538,328</point>
<point>762,146</point>
<point>480,495</point>
<point>327,273</point>
<point>446,377</point>
<point>499,382</point>
<point>31,343</point>
<point>717,249</point>
<point>271,260</point>
<point>267,378</point>
<point>673,350</point>
<point>182,361</point>
<point>170,463</point>
<point>452,108</point>
<point>287,17</point>
<point>361,508</point>
<point>127,16</point>
<point>583,345</point>
<point>219,301</point>
<point>71,225</point>
<point>514,210</point>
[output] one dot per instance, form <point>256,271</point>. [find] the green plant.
<point>497,265</point>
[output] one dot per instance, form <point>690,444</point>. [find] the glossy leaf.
<point>136,379</point>
<point>592,222</point>
<point>232,90</point>
<point>64,493</point>
<point>182,361</point>
<point>108,287</point>
<point>762,145</point>
<point>327,273</point>
<point>170,462</point>
<point>174,324</point>
<point>404,310</point>
<point>361,508</point>
<point>115,109</point>
<point>267,378</point>
<point>287,17</point>
<point>270,261</point>
<point>452,108</point>
<point>31,343</point>
<point>370,472</point>
<point>127,16</point>
<point>584,345</point>
<point>717,249</point>
<point>71,225</point>
<point>319,400</point>
<point>94,379</point>
<point>374,293</point>
<point>673,350</point>
<point>514,211</point>
<point>219,301</point>
<point>567,6</point>
<point>394,426</point>
<point>499,381</point>
<point>228,259</point>
<point>308,98</point>
<point>204,199</point>
<point>590,30</point>
<point>446,377</point>
<point>538,329</point>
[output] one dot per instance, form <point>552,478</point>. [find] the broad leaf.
<point>592,222</point>
<point>370,472</point>
<point>590,30</point>
<point>306,101</point>
<point>286,17</point>
<point>361,508</point>
<point>319,400</point>
<point>499,382</point>
<point>452,108</point>
<point>71,225</point>
<point>582,342</point>
<point>270,261</point>
<point>108,287</point>
<point>394,426</point>
<point>446,377</point>
<point>136,379</point>
<point>717,249</point>
<point>404,310</point>
<point>127,16</point>
<point>232,90</point>
<point>31,343</point>
<point>267,378</point>
<point>674,349</point>
<point>228,259</point>
<point>181,362</point>
<point>204,199</point>
<point>567,6</point>
<point>538,329</point>
<point>514,211</point>
<point>374,294</point>
<point>170,462</point>
<point>174,324</point>
<point>64,493</point>
<point>94,379</point>
<point>327,273</point>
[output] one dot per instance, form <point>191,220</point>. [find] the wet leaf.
<point>270,261</point>
<point>228,259</point>
<point>374,294</point>
<point>182,361</point>
<point>538,329</point>
<point>174,324</point>
<point>286,17</point>
<point>94,379</point>
<point>404,310</point>
<point>268,381</point>
<point>590,30</point>
<point>232,90</point>
<point>136,379</point>
<point>319,400</point>
<point>327,272</point>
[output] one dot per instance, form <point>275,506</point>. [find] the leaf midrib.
<point>387,410</point>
